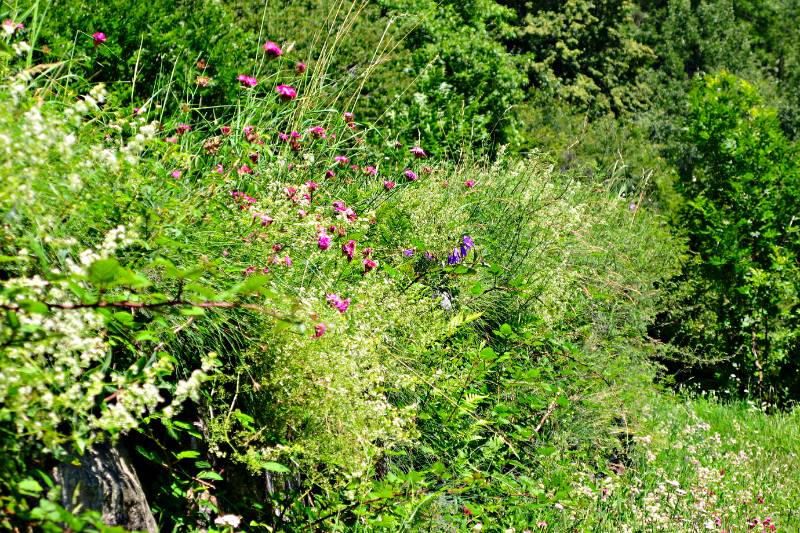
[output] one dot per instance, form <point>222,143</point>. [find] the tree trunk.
<point>105,481</point>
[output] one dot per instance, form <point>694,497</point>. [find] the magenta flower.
<point>349,249</point>
<point>301,213</point>
<point>372,171</point>
<point>247,81</point>
<point>286,92</point>
<point>339,205</point>
<point>287,261</point>
<point>300,67</point>
<point>369,264</point>
<point>176,174</point>
<point>219,169</point>
<point>98,38</point>
<point>272,50</point>
<point>350,214</point>
<point>323,240</point>
<point>182,128</point>
<point>410,174</point>
<point>318,132</point>
<point>418,152</point>
<point>283,136</point>
<point>295,135</point>
<point>265,219</point>
<point>388,185</point>
<point>319,330</point>
<point>244,169</point>
<point>10,27</point>
<point>226,130</point>
<point>349,117</point>
<point>469,184</point>
<point>171,140</point>
<point>312,185</point>
<point>341,159</point>
<point>336,301</point>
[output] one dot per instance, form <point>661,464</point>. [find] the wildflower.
<point>182,128</point>
<point>294,135</point>
<point>336,301</point>
<point>98,38</point>
<point>226,130</point>
<point>429,256</point>
<point>244,169</point>
<point>418,152</point>
<point>202,64</point>
<point>410,174</point>
<point>301,213</point>
<point>372,171</point>
<point>10,27</point>
<point>319,330</point>
<point>277,247</point>
<point>369,264</point>
<point>287,261</point>
<point>247,81</point>
<point>323,240</point>
<point>253,156</point>
<point>228,520</point>
<point>318,132</point>
<point>249,270</point>
<point>426,169</point>
<point>286,92</point>
<point>408,252</point>
<point>202,81</point>
<point>272,50</point>
<point>341,159</point>
<point>300,67</point>
<point>219,169</point>
<point>312,185</point>
<point>339,205</point>
<point>171,140</point>
<point>559,506</point>
<point>469,184</point>
<point>349,249</point>
<point>265,219</point>
<point>176,174</point>
<point>330,173</point>
<point>349,117</point>
<point>350,214</point>
<point>354,167</point>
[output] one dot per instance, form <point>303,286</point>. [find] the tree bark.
<point>105,481</point>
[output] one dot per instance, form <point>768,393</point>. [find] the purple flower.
<point>272,49</point>
<point>324,240</point>
<point>286,92</point>
<point>410,174</point>
<point>247,81</point>
<point>336,301</point>
<point>418,152</point>
<point>349,249</point>
<point>409,252</point>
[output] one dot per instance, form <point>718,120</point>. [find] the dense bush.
<point>737,300</point>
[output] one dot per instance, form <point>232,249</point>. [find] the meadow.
<point>399,265</point>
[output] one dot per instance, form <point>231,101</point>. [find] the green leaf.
<point>104,271</point>
<point>209,474</point>
<point>188,454</point>
<point>272,466</point>
<point>33,306</point>
<point>29,487</point>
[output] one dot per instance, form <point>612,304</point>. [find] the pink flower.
<point>349,249</point>
<point>247,81</point>
<point>312,185</point>
<point>171,140</point>
<point>287,261</point>
<point>300,67</point>
<point>283,136</point>
<point>410,174</point>
<point>10,27</point>
<point>323,240</point>
<point>319,330</point>
<point>286,92</point>
<point>330,173</point>
<point>341,159</point>
<point>301,213</point>
<point>372,171</point>
<point>418,152</point>
<point>266,220</point>
<point>295,135</point>
<point>318,132</point>
<point>350,214</point>
<point>182,128</point>
<point>349,117</point>
<point>98,38</point>
<point>244,169</point>
<point>290,192</point>
<point>253,156</point>
<point>369,264</point>
<point>339,205</point>
<point>219,169</point>
<point>336,301</point>
<point>226,130</point>
<point>354,167</point>
<point>388,185</point>
<point>272,50</point>
<point>469,184</point>
<point>249,270</point>
<point>176,174</point>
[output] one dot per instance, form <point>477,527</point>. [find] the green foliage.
<point>739,185</point>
